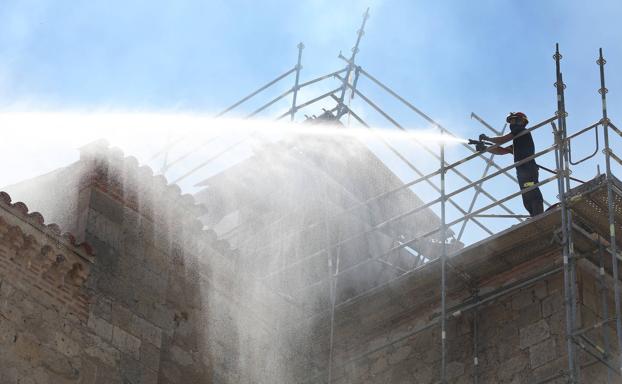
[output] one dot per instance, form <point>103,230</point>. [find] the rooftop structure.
<point>367,281</point>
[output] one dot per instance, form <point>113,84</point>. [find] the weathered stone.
<point>126,342</point>
<point>150,356</point>
<point>552,304</point>
<point>533,333</point>
<point>180,356</point>
<point>540,290</point>
<point>548,370</point>
<point>529,315</point>
<point>522,299</point>
<point>105,353</point>
<point>399,354</point>
<point>508,368</point>
<point>66,345</point>
<point>378,365</point>
<point>454,369</point>
<point>27,346</point>
<point>146,331</point>
<point>542,353</point>
<point>101,327</point>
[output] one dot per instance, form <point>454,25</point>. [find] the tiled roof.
<point>20,210</point>
<point>114,172</point>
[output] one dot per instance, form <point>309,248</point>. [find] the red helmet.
<point>517,115</point>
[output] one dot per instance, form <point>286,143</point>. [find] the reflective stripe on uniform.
<point>528,184</point>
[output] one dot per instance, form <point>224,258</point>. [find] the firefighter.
<point>522,147</point>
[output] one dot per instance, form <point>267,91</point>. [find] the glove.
<point>484,137</point>
<point>480,147</point>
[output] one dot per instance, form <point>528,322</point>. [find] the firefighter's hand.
<point>480,147</point>
<point>484,137</point>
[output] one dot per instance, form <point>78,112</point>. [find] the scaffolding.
<point>604,193</point>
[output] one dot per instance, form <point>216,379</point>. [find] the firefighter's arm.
<point>501,150</point>
<point>498,139</point>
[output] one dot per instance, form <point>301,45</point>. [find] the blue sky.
<point>450,58</point>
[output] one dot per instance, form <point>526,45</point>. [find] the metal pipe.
<point>505,216</point>
<point>355,50</point>
<point>206,162</point>
<point>448,167</point>
<point>314,100</point>
<point>605,304</point>
<point>456,221</point>
<point>256,92</point>
<point>415,169</point>
<point>475,341</point>
<point>333,268</point>
<point>610,205</point>
<point>594,355</point>
<point>279,97</point>
<point>410,242</point>
<point>614,128</point>
<point>488,165</point>
<point>443,269</point>
<point>485,124</point>
<point>559,159</point>
<point>613,156</point>
<point>598,324</point>
<point>571,253</point>
<point>324,77</point>
<point>421,113</point>
<point>456,311</point>
<point>300,47</point>
<point>205,143</point>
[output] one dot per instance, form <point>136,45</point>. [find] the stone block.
<point>149,377</point>
<point>552,304</point>
<point>150,356</point>
<point>100,327</point>
<point>146,331</point>
<point>66,345</point>
<point>103,353</point>
<point>454,369</point>
<point>540,290</point>
<point>534,333</point>
<point>102,307</point>
<point>529,314</point>
<point>27,347</point>
<point>523,299</point>
<point>126,342</point>
<point>400,354</point>
<point>180,356</point>
<point>542,353</point>
<point>548,370</point>
<point>510,367</point>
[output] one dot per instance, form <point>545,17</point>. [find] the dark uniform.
<point>527,173</point>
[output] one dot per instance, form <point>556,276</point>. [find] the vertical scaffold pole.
<point>443,269</point>
<point>605,305</point>
<point>559,159</point>
<point>342,109</point>
<point>611,209</point>
<point>475,341</point>
<point>300,47</point>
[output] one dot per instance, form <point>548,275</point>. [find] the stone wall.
<point>43,301</point>
<point>164,302</point>
<point>521,337</point>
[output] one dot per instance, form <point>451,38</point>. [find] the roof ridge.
<point>20,209</point>
<point>114,157</point>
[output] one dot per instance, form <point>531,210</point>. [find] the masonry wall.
<point>164,302</point>
<point>521,338</point>
<point>43,305</point>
